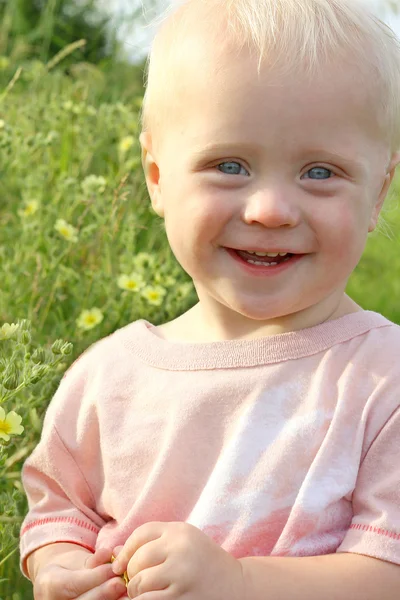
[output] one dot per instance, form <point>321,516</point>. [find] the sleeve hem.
<point>25,556</point>
<point>43,532</point>
<point>374,542</point>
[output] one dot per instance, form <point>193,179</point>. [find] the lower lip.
<point>261,271</point>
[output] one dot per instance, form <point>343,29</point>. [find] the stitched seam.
<point>73,520</point>
<point>378,530</point>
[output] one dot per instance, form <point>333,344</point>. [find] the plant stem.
<point>8,556</point>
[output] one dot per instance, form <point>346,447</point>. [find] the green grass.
<point>375,284</point>
<point>57,131</point>
<point>69,150</point>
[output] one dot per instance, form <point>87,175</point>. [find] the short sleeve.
<point>62,506</point>
<point>375,528</point>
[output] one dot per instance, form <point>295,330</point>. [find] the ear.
<point>385,189</point>
<point>151,172</point>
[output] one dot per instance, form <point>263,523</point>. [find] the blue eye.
<point>319,173</point>
<point>234,168</point>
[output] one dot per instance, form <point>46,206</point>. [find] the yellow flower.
<point>126,144</point>
<point>2,124</point>
<point>67,231</point>
<point>154,294</point>
<point>29,209</point>
<point>132,283</point>
<point>10,424</point>
<point>7,330</point>
<point>89,318</point>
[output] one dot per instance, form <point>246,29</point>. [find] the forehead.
<point>225,98</point>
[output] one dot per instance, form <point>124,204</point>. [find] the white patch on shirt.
<point>259,453</point>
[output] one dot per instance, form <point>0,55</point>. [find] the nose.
<point>271,208</point>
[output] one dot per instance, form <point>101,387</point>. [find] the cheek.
<point>344,231</point>
<point>196,218</point>
<point>195,227</point>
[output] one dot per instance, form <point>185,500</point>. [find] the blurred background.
<point>137,38</point>
<point>131,17</point>
<point>128,21</point>
<point>81,251</point>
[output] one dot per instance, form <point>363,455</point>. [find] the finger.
<point>142,535</point>
<point>113,589</point>
<point>72,583</point>
<point>164,595</point>
<point>125,575</point>
<point>116,551</point>
<point>100,557</point>
<point>155,579</point>
<point>147,556</point>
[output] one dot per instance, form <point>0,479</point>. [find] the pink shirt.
<point>285,446</point>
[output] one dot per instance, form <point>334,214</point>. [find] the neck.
<point>208,326</point>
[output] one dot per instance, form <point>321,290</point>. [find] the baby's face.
<point>276,166</point>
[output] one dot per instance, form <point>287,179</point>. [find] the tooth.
<point>270,254</point>
<point>255,262</point>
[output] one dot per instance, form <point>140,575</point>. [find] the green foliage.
<point>52,149</point>
<point>81,251</point>
<point>39,29</point>
<point>375,284</point>
<point>29,376</point>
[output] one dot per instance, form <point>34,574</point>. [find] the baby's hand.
<point>176,561</point>
<point>95,581</point>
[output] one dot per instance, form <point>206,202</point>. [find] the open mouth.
<point>264,259</point>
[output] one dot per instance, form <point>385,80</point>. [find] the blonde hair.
<point>299,34</point>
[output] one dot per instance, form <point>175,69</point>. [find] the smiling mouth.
<point>264,259</point>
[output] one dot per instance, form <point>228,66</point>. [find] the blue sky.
<point>137,39</point>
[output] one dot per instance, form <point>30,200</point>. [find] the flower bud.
<point>26,338</point>
<point>57,347</point>
<point>11,382</point>
<point>67,348</point>
<point>38,372</point>
<point>39,356</point>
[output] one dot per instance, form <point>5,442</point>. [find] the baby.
<point>250,448</point>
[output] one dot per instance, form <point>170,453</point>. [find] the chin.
<point>260,313</point>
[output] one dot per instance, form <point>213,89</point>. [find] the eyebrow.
<point>259,148</point>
